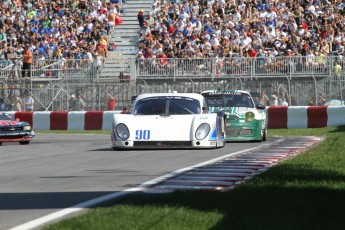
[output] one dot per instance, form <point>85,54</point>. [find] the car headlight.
<point>27,128</point>
<point>249,116</point>
<point>122,131</point>
<point>202,131</point>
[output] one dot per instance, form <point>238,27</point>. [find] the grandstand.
<point>289,48</point>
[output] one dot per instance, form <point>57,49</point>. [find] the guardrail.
<point>278,117</point>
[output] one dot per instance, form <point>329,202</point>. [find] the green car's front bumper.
<point>243,130</point>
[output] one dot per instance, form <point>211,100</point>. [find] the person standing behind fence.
<point>80,104</point>
<point>336,69</point>
<point>27,61</point>
<point>72,103</point>
<point>111,103</point>
<point>273,100</point>
<point>18,104</point>
<point>28,103</point>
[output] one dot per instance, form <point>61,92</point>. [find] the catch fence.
<point>53,82</point>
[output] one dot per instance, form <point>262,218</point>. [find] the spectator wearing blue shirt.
<point>208,28</point>
<point>53,45</point>
<point>86,30</point>
<point>207,35</point>
<point>42,47</point>
<point>270,23</point>
<point>260,7</point>
<point>52,30</point>
<point>28,5</point>
<point>44,30</point>
<point>33,29</point>
<point>35,21</point>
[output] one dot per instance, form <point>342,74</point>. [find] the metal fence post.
<point>252,67</point>
<point>289,89</point>
<point>212,68</point>
<point>133,71</point>
<point>174,61</point>
<point>315,89</point>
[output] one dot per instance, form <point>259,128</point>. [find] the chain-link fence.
<point>54,83</point>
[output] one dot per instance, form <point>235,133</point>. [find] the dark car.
<point>12,130</point>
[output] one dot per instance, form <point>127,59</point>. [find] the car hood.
<point>238,111</point>
<point>172,128</point>
<point>8,123</point>
<point>12,123</point>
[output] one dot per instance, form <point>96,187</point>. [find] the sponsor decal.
<point>227,93</point>
<point>246,131</point>
<point>9,134</point>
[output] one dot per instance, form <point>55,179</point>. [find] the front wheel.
<point>0,143</point>
<point>24,142</point>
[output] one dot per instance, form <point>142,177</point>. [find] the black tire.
<point>24,142</point>
<point>0,143</point>
<point>264,137</point>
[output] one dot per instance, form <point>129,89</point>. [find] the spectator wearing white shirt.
<point>237,16</point>
<point>271,14</point>
<point>257,43</point>
<point>271,32</point>
<point>273,100</point>
<point>236,42</point>
<point>284,102</point>
<point>300,31</point>
<point>225,31</point>
<point>234,33</point>
<point>28,103</point>
<point>246,41</point>
<point>263,13</point>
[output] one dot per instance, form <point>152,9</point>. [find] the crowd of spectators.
<point>57,30</point>
<point>311,29</point>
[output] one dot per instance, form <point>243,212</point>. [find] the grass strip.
<point>304,192</point>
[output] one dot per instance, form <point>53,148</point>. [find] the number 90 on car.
<point>142,135</point>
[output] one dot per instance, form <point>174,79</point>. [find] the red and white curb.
<point>226,174</point>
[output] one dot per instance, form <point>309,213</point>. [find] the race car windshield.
<point>230,100</point>
<point>5,117</point>
<point>167,106</point>
<point>243,100</point>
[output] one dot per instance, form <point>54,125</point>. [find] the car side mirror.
<point>260,106</point>
<point>205,109</point>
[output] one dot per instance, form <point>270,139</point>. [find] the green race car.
<point>244,120</point>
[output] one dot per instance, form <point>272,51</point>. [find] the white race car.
<point>168,120</point>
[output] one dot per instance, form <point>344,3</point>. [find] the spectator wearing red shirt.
<point>171,29</point>
<point>147,53</point>
<point>111,102</point>
<point>163,59</point>
<point>305,26</point>
<point>252,52</point>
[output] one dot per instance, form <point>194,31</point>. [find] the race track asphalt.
<point>57,171</point>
